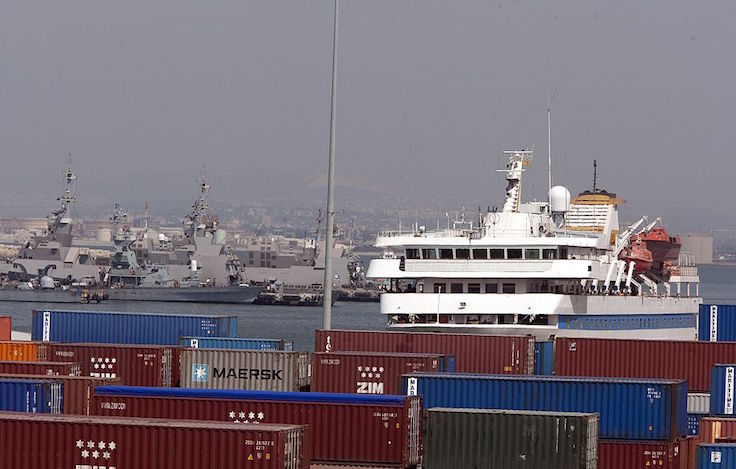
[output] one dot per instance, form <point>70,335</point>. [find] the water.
<point>298,323</point>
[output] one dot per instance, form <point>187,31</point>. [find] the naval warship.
<point>197,268</point>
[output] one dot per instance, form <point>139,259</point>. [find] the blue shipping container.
<point>716,456</point>
<point>237,343</point>
<point>717,323</point>
<point>722,379</point>
<point>126,328</point>
<point>25,395</point>
<point>693,423</point>
<point>629,408</point>
<point>544,358</point>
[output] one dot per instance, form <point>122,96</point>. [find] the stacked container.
<point>5,328</point>
<point>41,368</point>
<point>346,428</point>
<point>19,351</point>
<point>237,343</point>
<point>78,390</point>
<point>717,323</point>
<point>50,442</point>
<point>260,370</point>
<point>716,456</point>
<point>473,353</point>
<point>370,372</point>
<point>126,328</point>
<point>35,396</point>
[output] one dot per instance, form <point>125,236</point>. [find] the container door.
<point>414,426</point>
<point>166,364</point>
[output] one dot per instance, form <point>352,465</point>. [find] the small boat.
<point>638,253</point>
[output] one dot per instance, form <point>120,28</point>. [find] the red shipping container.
<point>620,454</point>
<point>5,328</point>
<point>352,433</point>
<point>688,360</point>
<point>49,442</point>
<point>473,353</point>
<point>135,365</point>
<point>41,368</point>
<point>78,390</point>
<point>367,372</point>
<point>717,430</point>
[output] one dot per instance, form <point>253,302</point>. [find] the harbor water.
<point>298,323</point>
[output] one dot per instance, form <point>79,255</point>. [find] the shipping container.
<point>715,429</point>
<point>629,409</point>
<point>84,442</point>
<point>544,358</point>
<point>473,353</point>
<point>41,368</point>
<point>369,372</point>
<point>478,438</point>
<point>257,370</point>
<point>135,365</point>
<point>693,423</point>
<point>19,351</point>
<point>78,390</point>
<point>5,327</point>
<point>722,379</point>
<point>349,428</point>
<point>717,323</point>
<point>663,359</point>
<point>698,402</point>
<point>716,456</point>
<point>237,343</point>
<point>622,454</point>
<point>126,328</point>
<point>37,396</point>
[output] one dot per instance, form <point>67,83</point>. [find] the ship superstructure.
<point>541,268</point>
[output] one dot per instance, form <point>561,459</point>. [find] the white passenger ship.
<point>540,268</point>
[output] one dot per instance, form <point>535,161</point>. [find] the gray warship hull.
<point>228,295</point>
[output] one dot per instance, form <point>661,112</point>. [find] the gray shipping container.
<point>698,403</point>
<point>506,439</point>
<point>256,370</point>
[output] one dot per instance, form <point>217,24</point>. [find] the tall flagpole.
<point>329,239</point>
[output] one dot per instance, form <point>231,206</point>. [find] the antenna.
<point>595,176</point>
<point>550,100</point>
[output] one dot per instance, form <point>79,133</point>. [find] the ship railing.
<point>430,234</point>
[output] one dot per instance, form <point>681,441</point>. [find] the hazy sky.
<point>144,93</point>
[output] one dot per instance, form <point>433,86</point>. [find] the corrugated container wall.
<point>717,323</point>
<point>716,456</point>
<point>618,454</point>
<point>5,327</point>
<point>629,409</point>
<point>715,429</point>
<point>473,353</point>
<point>722,383</point>
<point>688,360</point>
<point>41,368</point>
<point>19,351</point>
<point>368,372</point>
<point>346,428</point>
<point>19,395</point>
<point>135,365</point>
<point>78,390</point>
<point>126,328</point>
<point>51,442</point>
<point>237,343</point>
<point>693,423</point>
<point>698,402</point>
<point>495,438</point>
<point>258,370</point>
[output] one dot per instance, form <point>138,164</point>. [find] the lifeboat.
<point>665,250</point>
<point>638,253</point>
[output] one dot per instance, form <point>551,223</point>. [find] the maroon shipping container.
<point>41,368</point>
<point>367,372</point>
<point>620,454</point>
<point>5,328</point>
<point>354,433</point>
<point>135,365</point>
<point>78,390</point>
<point>663,359</point>
<point>717,430</point>
<point>473,353</point>
<point>43,441</point>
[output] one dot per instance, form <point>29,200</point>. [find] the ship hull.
<point>41,296</point>
<point>226,295</point>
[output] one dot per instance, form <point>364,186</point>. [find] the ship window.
<point>440,288</point>
<point>531,253</point>
<point>462,253</point>
<point>429,253</point>
<point>480,253</point>
<point>562,253</point>
<point>491,288</point>
<point>549,253</point>
<point>412,253</point>
<point>497,254</point>
<point>445,253</point>
<point>509,288</point>
<point>514,253</point>
<point>474,288</point>
<point>456,288</point>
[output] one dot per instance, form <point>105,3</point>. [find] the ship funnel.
<point>559,198</point>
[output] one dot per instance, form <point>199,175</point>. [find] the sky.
<point>146,94</point>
